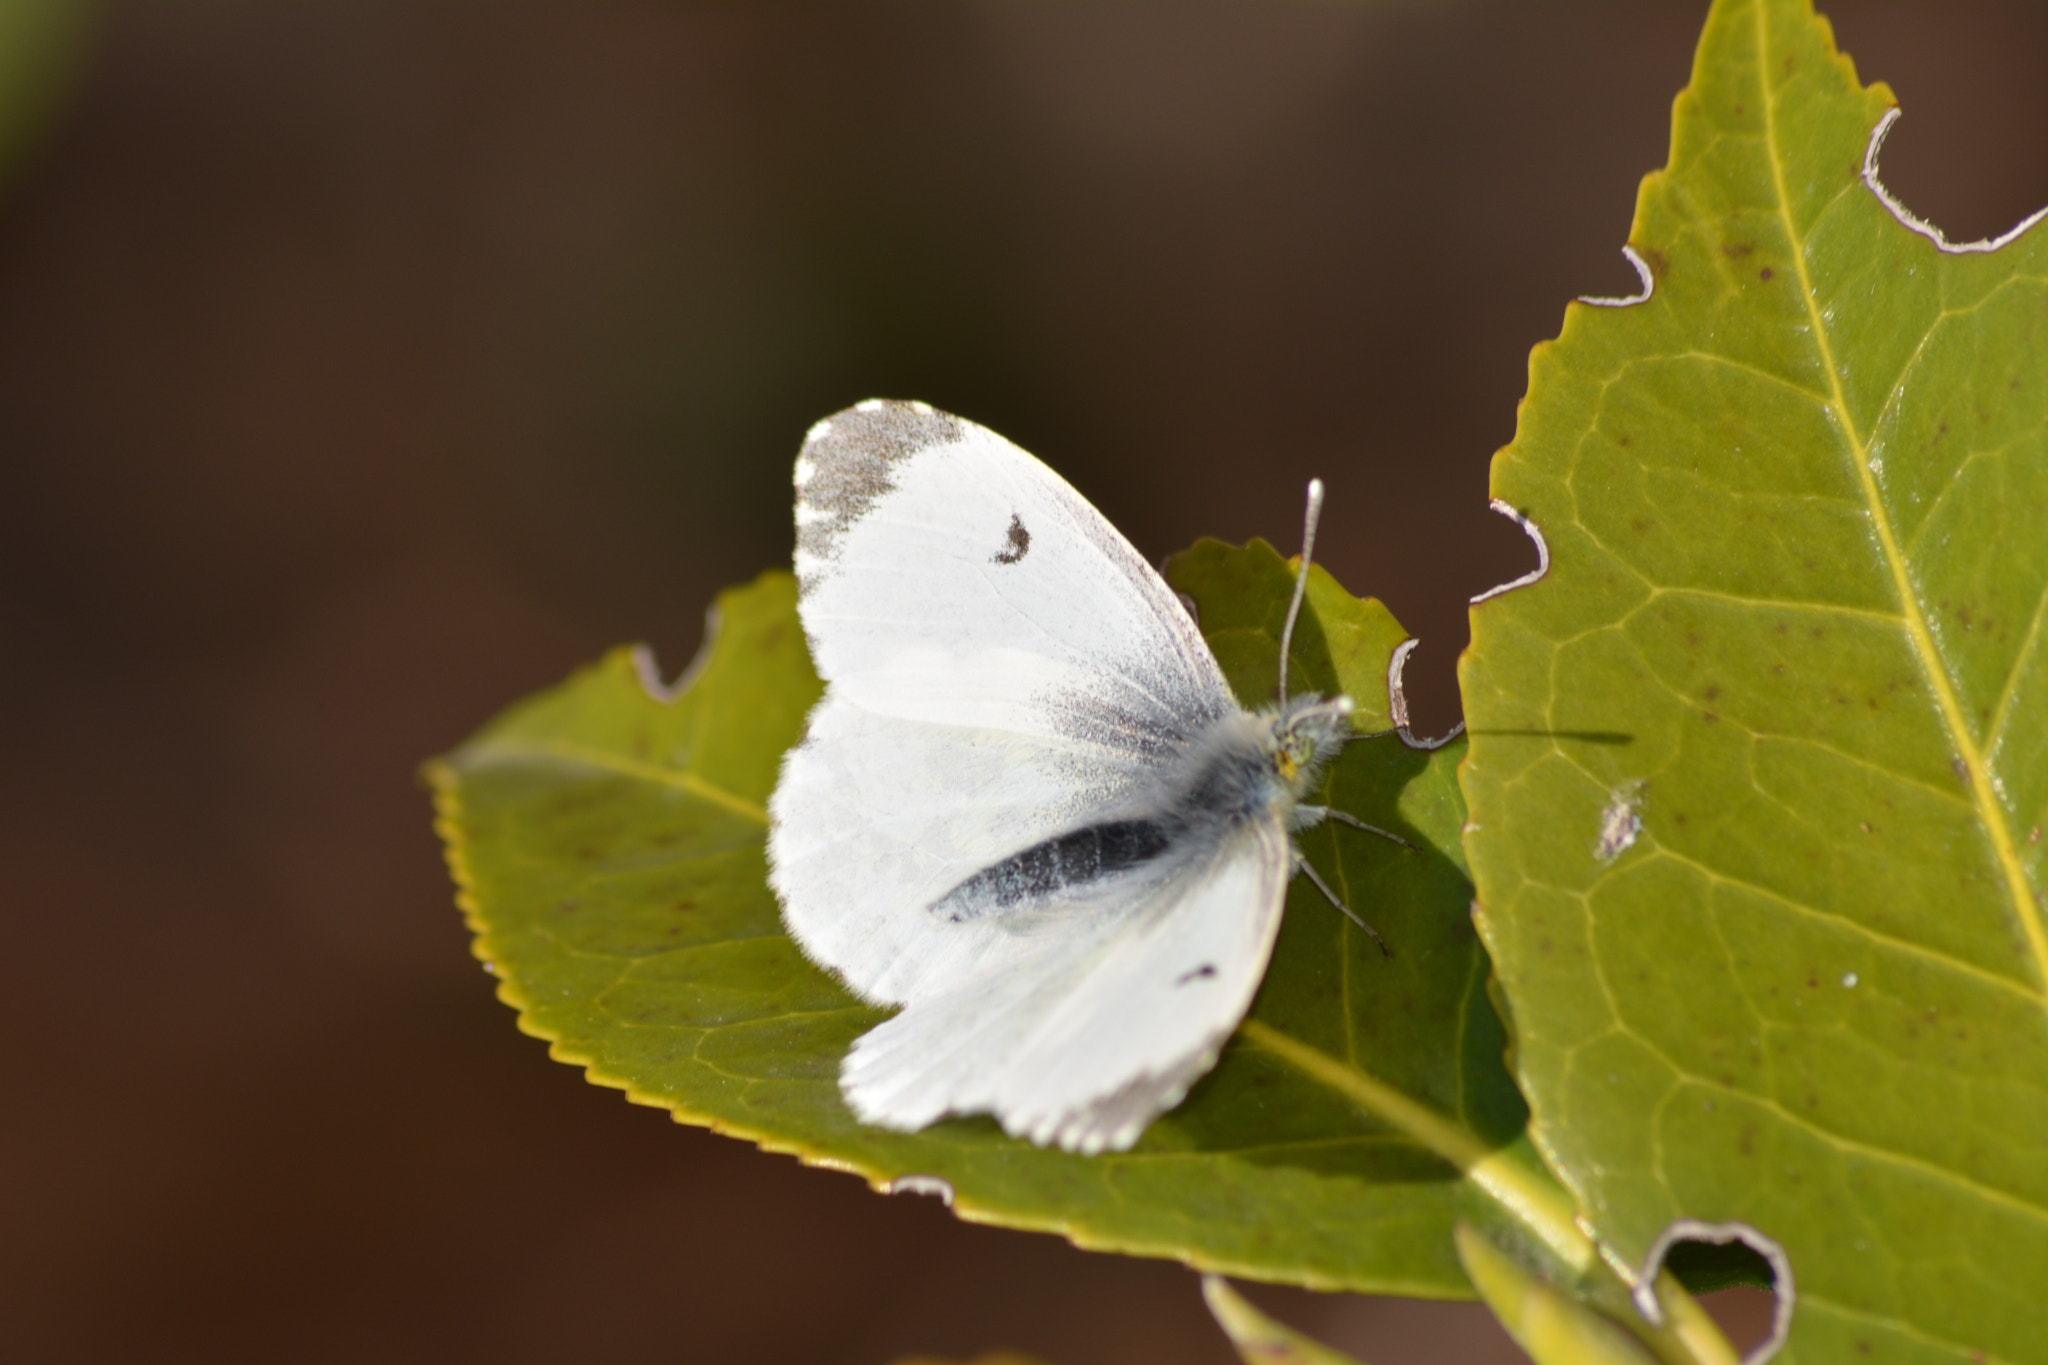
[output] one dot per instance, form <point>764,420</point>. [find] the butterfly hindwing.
<point>1092,1026</point>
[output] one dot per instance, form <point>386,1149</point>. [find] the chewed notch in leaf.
<point>1684,1231</point>
<point>1642,269</point>
<point>1913,221</point>
<point>1795,502</point>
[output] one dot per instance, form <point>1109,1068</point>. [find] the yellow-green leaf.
<point>1258,1338</point>
<point>1757,774</point>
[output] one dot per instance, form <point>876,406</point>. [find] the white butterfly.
<point>1028,808</point>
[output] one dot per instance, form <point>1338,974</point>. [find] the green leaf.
<point>609,849</point>
<point>1259,1339</point>
<point>1553,1327</point>
<point>1797,504</point>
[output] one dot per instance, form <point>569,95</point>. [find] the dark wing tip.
<point>848,461</point>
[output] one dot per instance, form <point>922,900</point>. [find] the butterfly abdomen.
<point>1059,866</point>
<point>1224,779</point>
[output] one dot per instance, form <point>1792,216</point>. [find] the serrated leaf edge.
<point>1976,771</point>
<point>444,784</point>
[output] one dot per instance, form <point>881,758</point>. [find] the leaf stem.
<point>1529,1196</point>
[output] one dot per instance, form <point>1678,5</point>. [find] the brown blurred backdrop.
<point>363,368</point>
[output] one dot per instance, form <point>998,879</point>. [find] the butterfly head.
<point>1307,732</point>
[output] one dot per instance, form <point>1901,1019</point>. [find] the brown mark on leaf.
<point>1764,274</point>
<point>1737,250</point>
<point>1654,259</point>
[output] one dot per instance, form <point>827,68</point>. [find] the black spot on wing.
<point>1201,973</point>
<point>1017,546</point>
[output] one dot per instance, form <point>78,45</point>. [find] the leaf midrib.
<point>1990,814</point>
<point>607,761</point>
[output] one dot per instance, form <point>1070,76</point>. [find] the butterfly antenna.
<point>1308,545</point>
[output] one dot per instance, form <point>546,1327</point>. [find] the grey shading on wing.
<point>1007,682</point>
<point>975,705</point>
<point>1079,1038</point>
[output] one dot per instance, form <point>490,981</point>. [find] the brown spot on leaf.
<point>1710,718</point>
<point>1764,274</point>
<point>1737,250</point>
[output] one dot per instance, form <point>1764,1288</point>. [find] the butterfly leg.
<point>1304,865</point>
<point>1304,816</point>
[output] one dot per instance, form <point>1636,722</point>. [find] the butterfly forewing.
<point>1000,666</point>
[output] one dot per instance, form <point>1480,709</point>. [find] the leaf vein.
<point>604,761</point>
<point>1995,734</point>
<point>1841,1142</point>
<point>1904,946</point>
<point>1960,1350</point>
<point>1990,811</point>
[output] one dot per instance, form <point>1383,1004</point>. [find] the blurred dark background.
<point>363,368</point>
